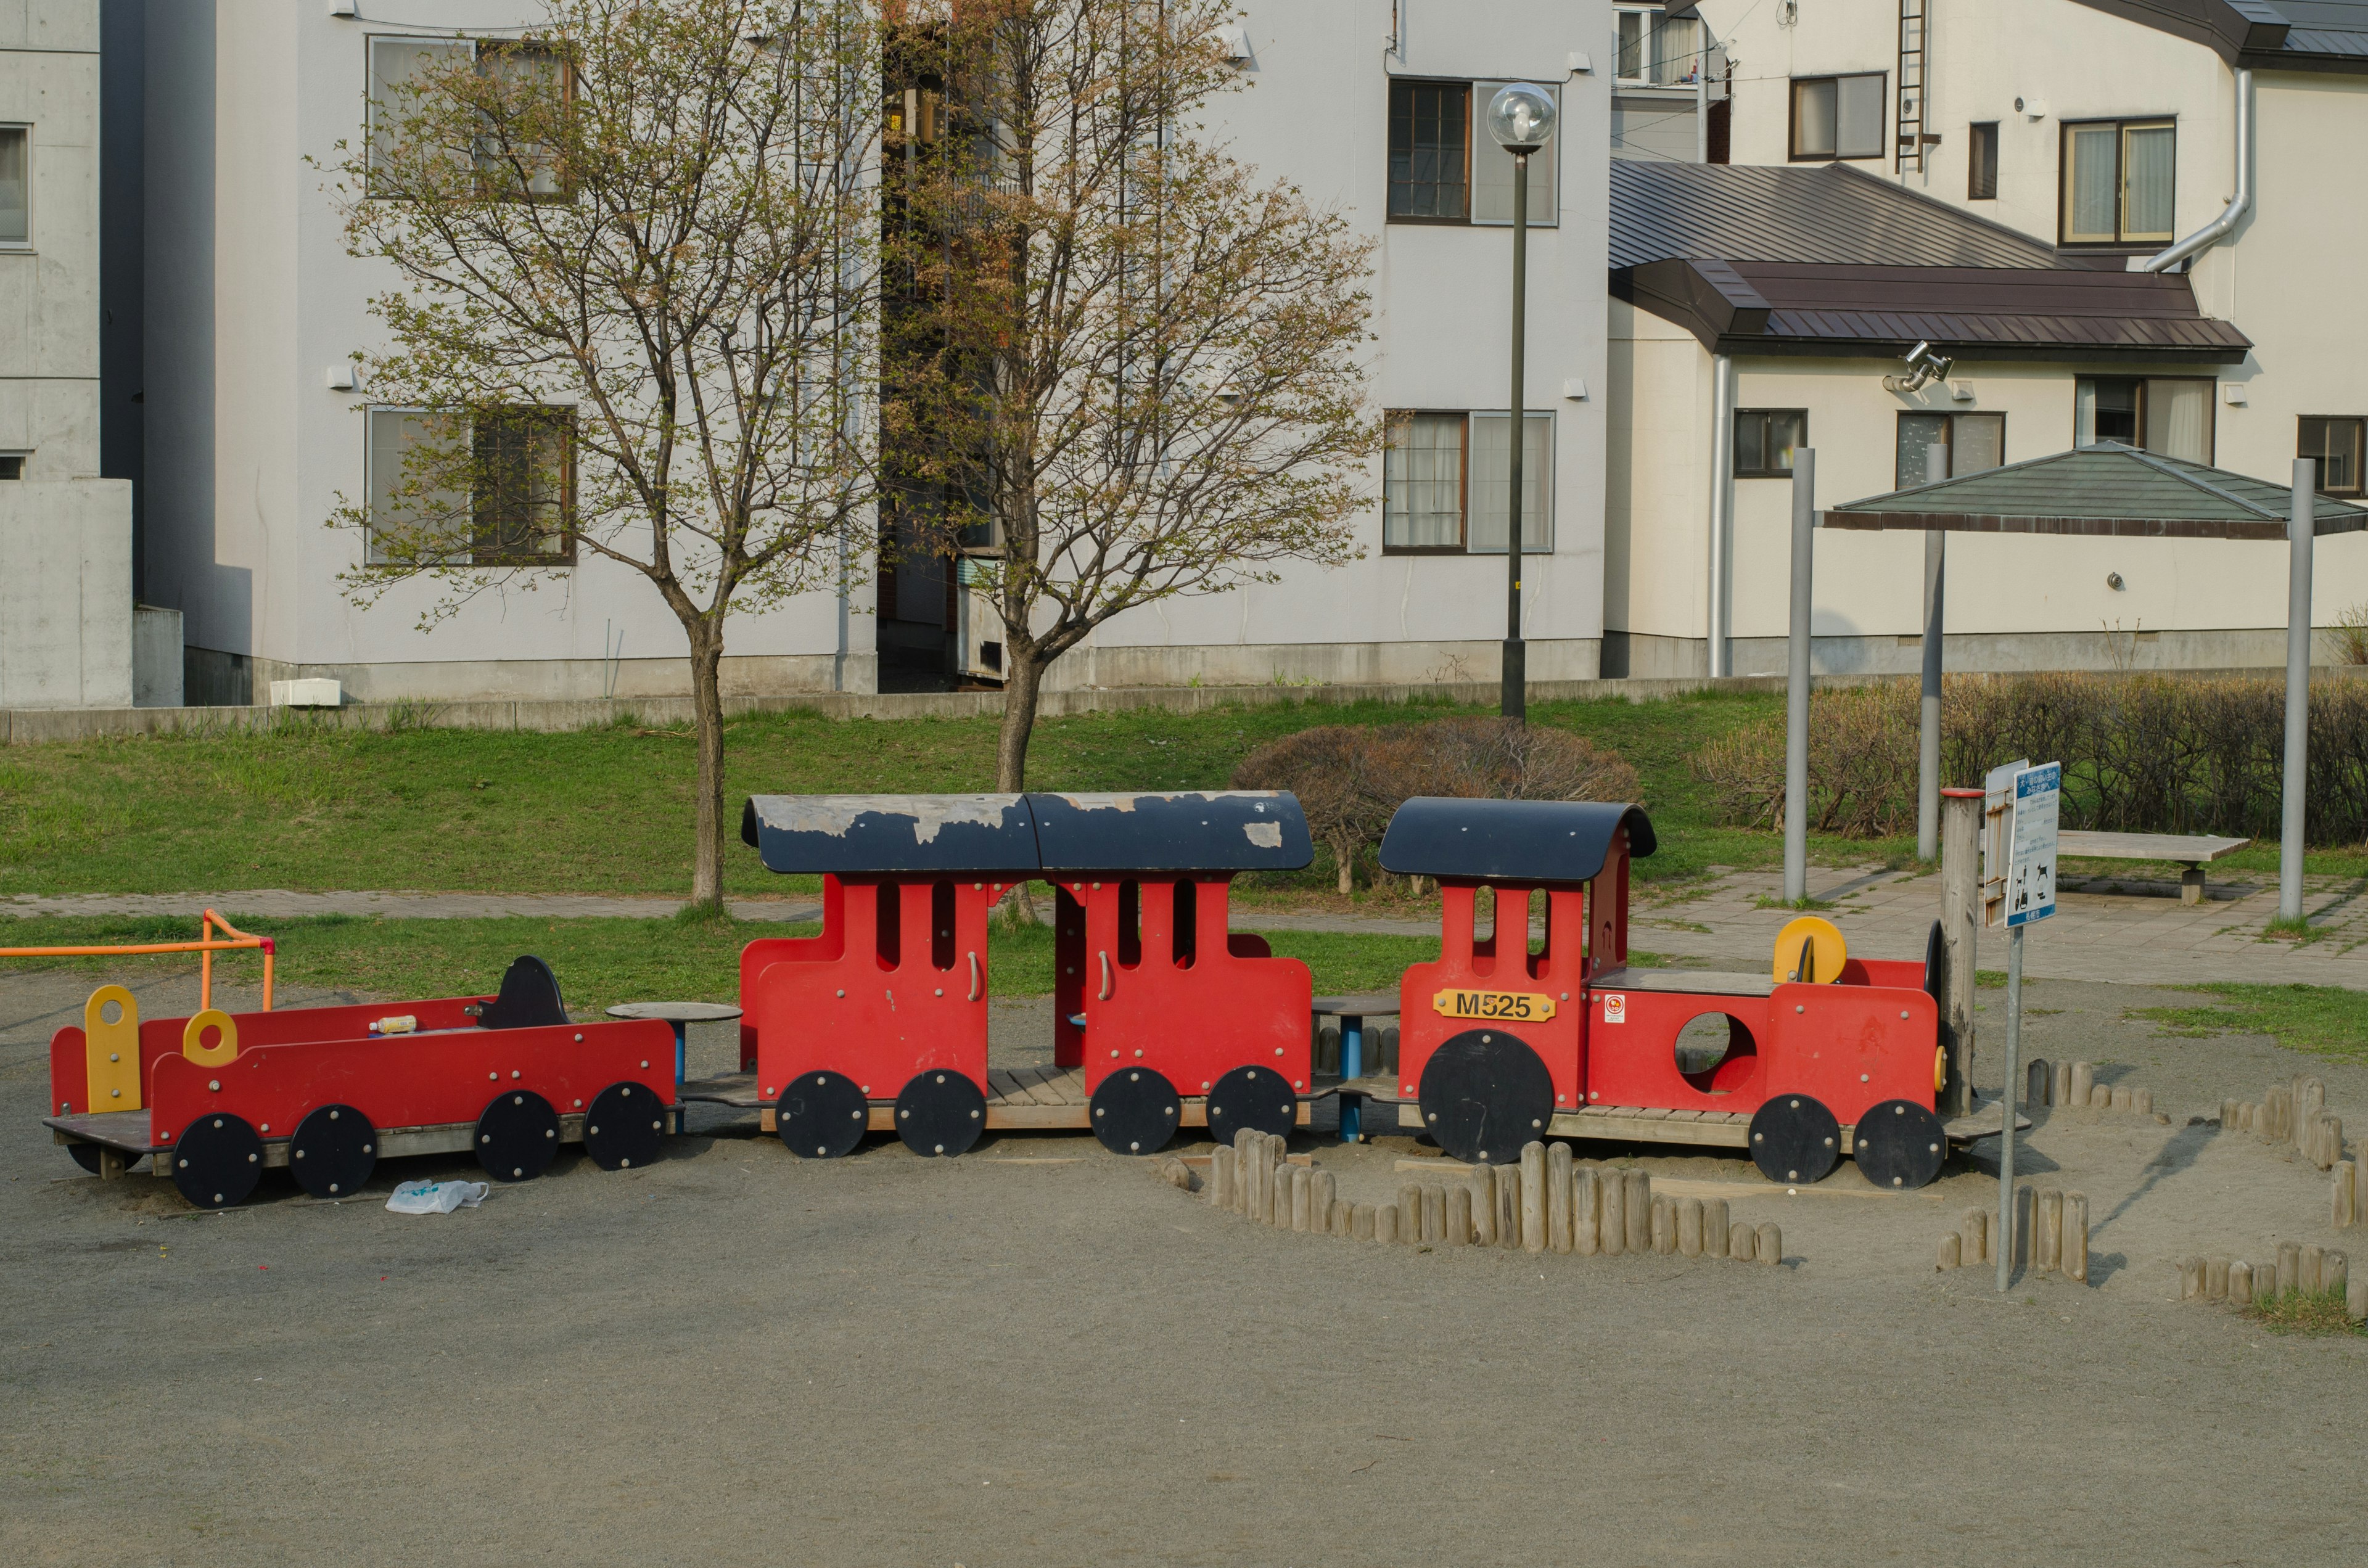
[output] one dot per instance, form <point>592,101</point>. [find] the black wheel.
<point>1252,1097</point>
<point>822,1116</point>
<point>334,1151</point>
<point>86,1156</point>
<point>217,1160</point>
<point>1485,1094</point>
<point>940,1112</point>
<point>1794,1138</point>
<point>625,1127</point>
<point>1136,1111</point>
<point>518,1136</point>
<point>1899,1144</point>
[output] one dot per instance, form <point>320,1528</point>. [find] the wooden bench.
<point>2192,850</point>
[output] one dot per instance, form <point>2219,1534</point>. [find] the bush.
<point>2141,753</point>
<point>1350,779</point>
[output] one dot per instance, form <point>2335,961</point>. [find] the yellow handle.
<point>193,1039</point>
<point>112,1050</point>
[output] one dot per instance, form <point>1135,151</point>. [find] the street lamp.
<point>1521,118</point>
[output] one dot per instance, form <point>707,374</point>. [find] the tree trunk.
<point>1020,693</point>
<point>707,711</point>
<point>1344,855</point>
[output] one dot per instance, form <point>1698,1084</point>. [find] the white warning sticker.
<point>1615,1007</point>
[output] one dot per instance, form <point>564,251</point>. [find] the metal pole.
<point>1722,499</point>
<point>1353,1067</point>
<point>1927,754</point>
<point>2006,1102</point>
<point>1513,700</point>
<point>2299,531</point>
<point>1796,682</point>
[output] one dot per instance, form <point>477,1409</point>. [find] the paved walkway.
<point>269,904</point>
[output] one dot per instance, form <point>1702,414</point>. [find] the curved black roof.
<point>1233,830</point>
<point>1237,830</point>
<point>874,834</point>
<point>1529,841</point>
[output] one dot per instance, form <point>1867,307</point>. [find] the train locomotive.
<point>1531,1023</point>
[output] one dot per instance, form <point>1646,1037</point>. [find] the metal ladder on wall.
<point>1908,148</point>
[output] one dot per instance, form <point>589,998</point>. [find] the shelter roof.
<point>1026,834</point>
<point>1515,841</point>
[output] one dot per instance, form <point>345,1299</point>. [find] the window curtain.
<point>2084,414</point>
<point>398,69</point>
<point>2089,183</point>
<point>2179,419</point>
<point>1919,434</point>
<point>2147,188</point>
<point>1813,117</point>
<point>418,478</point>
<point>1422,483</point>
<point>1858,120</point>
<point>1492,477</point>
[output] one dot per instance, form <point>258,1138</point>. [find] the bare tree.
<point>634,318</point>
<point>1129,363</point>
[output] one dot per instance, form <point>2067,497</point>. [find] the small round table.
<point>681,1015</point>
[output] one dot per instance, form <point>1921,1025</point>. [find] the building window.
<point>1968,443</point>
<point>1430,151</point>
<point>1765,440</point>
<point>2171,416</point>
<point>2336,443</point>
<point>1981,161</point>
<point>496,491</point>
<point>1654,50</point>
<point>1837,117</point>
<point>1446,478</point>
<point>2117,182</point>
<point>16,184</point>
<point>400,69</point>
<point>1445,169</point>
<point>12,464</point>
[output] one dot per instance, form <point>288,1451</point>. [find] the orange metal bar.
<point>236,940</point>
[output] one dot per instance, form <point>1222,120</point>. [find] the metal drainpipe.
<point>1721,504</point>
<point>2239,205</point>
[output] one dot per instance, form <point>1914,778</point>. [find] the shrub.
<point>1350,779</point>
<point>2141,753</point>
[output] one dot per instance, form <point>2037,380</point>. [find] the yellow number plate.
<point>1499,1006</point>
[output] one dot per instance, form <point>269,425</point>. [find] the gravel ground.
<point>1037,1354</point>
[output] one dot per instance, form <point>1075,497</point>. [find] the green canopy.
<point>2107,489</point>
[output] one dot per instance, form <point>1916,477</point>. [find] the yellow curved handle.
<point>193,1039</point>
<point>111,1051</point>
<point>1824,945</point>
<point>1940,1068</point>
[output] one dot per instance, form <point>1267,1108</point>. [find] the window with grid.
<point>1765,440</point>
<point>2337,443</point>
<point>2117,182</point>
<point>497,491</point>
<point>1447,482</point>
<point>1430,150</point>
<point>1968,443</point>
<point>1422,483</point>
<point>1837,117</point>
<point>402,68</point>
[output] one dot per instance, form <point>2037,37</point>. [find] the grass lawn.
<point>308,807</point>
<point>2325,1020</point>
<point>601,961</point>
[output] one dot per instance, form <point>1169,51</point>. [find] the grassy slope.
<point>608,810</point>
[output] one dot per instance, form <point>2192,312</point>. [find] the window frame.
<point>477,45</point>
<point>1463,546</point>
<point>1660,12</point>
<point>565,556</point>
<point>2358,485</point>
<point>1389,151</point>
<point>1793,85</point>
<point>20,459</point>
<point>19,247</point>
<point>2140,412</point>
<point>1734,446</point>
<point>2121,240</point>
<point>1952,415</point>
<point>1981,137</point>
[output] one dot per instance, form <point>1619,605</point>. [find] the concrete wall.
<point>49,287</point>
<point>250,298</point>
<point>65,595</point>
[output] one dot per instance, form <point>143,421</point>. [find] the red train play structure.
<point>1531,1023</point>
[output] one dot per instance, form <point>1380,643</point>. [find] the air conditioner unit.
<point>978,626</point>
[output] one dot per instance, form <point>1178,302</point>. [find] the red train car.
<point>1527,1028</point>
<point>1163,1017</point>
<point>328,1092</point>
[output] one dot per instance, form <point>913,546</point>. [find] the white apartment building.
<point>252,305</point>
<point>2094,136</point>
<point>65,533</point>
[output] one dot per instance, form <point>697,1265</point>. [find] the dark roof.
<point>1236,830</point>
<point>1813,212</point>
<point>1826,259</point>
<point>2268,35</point>
<point>2105,489</point>
<point>908,834</point>
<point>1515,841</point>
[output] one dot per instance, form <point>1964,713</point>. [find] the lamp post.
<point>1521,118</point>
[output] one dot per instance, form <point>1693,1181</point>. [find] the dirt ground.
<point>1039,1355</point>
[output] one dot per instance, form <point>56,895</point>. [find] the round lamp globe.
<point>1521,117</point>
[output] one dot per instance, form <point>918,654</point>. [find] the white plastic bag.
<point>437,1196</point>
